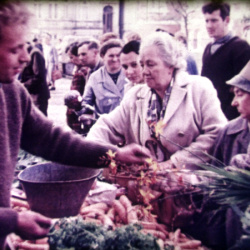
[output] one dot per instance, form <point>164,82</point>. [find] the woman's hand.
<point>31,225</point>
<point>166,165</point>
<point>133,154</point>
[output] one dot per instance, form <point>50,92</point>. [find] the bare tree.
<point>181,7</point>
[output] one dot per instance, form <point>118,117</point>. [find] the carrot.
<point>148,225</point>
<point>42,241</point>
<point>155,233</point>
<point>125,202</point>
<point>106,221</point>
<point>14,240</point>
<point>96,221</point>
<point>93,214</point>
<point>19,203</point>
<point>171,235</point>
<point>162,228</point>
<point>154,226</point>
<point>95,210</point>
<point>97,206</point>
<point>132,215</point>
<point>120,210</point>
<point>84,204</point>
<point>29,246</point>
<point>176,235</point>
<point>111,213</point>
<point>191,244</point>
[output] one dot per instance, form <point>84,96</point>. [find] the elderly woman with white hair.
<point>183,108</point>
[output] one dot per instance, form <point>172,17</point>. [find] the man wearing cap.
<point>233,142</point>
<point>235,137</point>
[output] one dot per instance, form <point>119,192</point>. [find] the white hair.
<point>171,51</point>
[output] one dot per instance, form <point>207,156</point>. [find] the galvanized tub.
<point>56,190</point>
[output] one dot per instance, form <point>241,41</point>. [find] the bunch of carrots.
<point>120,212</point>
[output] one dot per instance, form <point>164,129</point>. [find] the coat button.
<point>181,134</point>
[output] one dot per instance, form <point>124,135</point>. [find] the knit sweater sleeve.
<point>40,137</point>
<point>8,221</point>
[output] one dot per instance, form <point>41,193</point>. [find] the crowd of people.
<point>132,88</point>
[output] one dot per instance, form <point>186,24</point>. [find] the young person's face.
<point>215,25</point>
<point>13,52</point>
<point>242,102</point>
<point>111,60</point>
<point>131,65</point>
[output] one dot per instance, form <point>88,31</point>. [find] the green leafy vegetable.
<point>76,234</point>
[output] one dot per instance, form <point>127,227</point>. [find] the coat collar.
<point>177,95</point>
<point>240,126</point>
<point>237,126</point>
<point>110,85</point>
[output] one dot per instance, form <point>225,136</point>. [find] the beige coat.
<point>192,120</point>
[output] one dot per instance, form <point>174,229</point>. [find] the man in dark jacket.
<point>225,57</point>
<point>235,137</point>
<point>34,79</point>
<point>233,141</point>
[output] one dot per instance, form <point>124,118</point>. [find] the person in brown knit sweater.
<point>23,125</point>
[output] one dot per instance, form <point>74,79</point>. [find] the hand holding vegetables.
<point>31,225</point>
<point>133,154</point>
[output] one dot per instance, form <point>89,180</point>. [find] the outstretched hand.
<point>133,154</point>
<point>31,225</point>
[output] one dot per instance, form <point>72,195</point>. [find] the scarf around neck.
<point>218,43</point>
<point>157,108</point>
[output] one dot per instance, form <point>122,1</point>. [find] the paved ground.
<point>57,109</point>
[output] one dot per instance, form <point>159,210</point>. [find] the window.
<point>107,19</point>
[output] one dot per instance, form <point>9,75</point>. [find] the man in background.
<point>88,52</point>
<point>225,56</point>
<point>33,77</point>
<point>51,60</point>
<point>37,44</point>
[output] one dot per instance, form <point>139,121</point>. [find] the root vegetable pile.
<point>115,224</point>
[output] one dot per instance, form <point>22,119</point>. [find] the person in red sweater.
<point>23,125</point>
<point>225,57</point>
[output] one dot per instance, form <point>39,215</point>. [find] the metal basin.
<point>56,190</point>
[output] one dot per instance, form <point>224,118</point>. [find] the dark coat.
<point>232,140</point>
<point>34,79</point>
<point>221,66</point>
<point>79,80</point>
